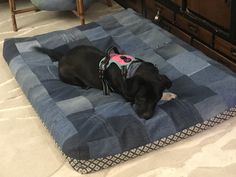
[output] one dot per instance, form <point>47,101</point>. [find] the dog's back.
<point>78,66</point>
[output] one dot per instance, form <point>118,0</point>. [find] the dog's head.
<point>146,93</point>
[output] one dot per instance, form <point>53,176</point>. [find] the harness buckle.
<point>102,68</point>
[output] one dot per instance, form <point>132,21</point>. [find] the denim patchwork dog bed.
<point>95,131</point>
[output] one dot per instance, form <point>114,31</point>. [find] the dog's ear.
<point>167,82</point>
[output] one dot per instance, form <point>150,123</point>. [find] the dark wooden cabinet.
<point>137,5</point>
<point>177,2</point>
<point>150,9</point>
<point>208,25</point>
<point>193,29</point>
<point>216,11</point>
<point>225,47</point>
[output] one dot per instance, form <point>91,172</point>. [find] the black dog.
<point>80,66</point>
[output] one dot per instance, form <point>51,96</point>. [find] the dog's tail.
<point>54,55</point>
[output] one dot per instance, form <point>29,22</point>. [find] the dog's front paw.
<point>168,96</point>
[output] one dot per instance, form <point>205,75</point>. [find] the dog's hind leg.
<point>74,81</point>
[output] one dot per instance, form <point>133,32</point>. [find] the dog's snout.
<point>146,115</point>
<point>143,113</point>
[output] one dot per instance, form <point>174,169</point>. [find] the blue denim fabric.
<point>87,124</point>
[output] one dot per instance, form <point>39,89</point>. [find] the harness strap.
<point>102,68</point>
<point>105,87</point>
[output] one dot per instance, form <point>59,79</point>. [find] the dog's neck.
<point>132,69</point>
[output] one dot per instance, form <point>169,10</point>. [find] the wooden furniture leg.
<point>79,12</point>
<point>14,11</point>
<point>13,17</point>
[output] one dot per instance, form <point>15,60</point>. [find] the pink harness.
<point>122,61</point>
